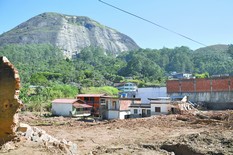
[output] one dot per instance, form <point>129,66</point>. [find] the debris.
<point>38,135</point>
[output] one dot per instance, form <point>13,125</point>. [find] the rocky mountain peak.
<point>70,33</point>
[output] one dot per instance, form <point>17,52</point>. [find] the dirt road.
<point>208,133</point>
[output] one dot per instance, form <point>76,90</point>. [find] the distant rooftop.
<point>64,100</point>
<point>91,95</point>
<point>160,98</point>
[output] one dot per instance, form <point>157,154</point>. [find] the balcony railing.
<point>82,112</point>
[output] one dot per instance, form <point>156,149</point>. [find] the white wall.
<point>164,108</point>
<point>112,106</point>
<point>61,109</point>
<point>139,110</point>
<point>123,113</point>
<point>113,114</point>
<point>151,92</point>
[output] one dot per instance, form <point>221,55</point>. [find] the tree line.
<point>44,66</point>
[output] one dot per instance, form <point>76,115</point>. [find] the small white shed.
<point>62,107</point>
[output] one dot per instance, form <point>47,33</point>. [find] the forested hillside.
<point>43,63</point>
<point>46,74</point>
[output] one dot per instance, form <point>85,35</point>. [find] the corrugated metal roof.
<point>64,100</point>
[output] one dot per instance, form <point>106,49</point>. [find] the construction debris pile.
<point>26,133</point>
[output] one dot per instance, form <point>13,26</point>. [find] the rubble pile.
<point>184,108</point>
<point>35,134</point>
<point>39,137</point>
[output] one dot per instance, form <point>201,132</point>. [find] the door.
<point>143,112</point>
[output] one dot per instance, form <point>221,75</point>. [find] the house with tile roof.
<point>119,108</point>
<point>93,100</point>
<point>70,107</point>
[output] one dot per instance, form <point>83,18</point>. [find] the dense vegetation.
<point>53,76</point>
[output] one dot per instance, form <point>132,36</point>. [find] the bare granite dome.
<point>69,33</point>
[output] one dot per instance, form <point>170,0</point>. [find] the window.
<point>135,111</point>
<point>148,112</point>
<point>102,100</point>
<point>86,98</point>
<point>157,109</point>
<point>92,99</point>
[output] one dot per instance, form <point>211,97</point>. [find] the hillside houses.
<point>143,103</point>
<point>215,93</point>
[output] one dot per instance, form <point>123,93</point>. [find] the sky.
<point>206,21</point>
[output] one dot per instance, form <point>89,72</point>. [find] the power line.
<point>146,20</point>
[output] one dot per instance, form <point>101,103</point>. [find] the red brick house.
<point>94,100</point>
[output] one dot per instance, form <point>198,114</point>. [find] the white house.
<point>181,75</point>
<point>160,105</point>
<point>165,105</point>
<point>117,108</point>
<point>127,87</point>
<point>70,107</point>
<point>113,108</point>
<point>140,110</point>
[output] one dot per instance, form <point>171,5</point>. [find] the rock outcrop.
<point>9,102</point>
<point>70,33</point>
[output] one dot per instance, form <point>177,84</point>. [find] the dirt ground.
<point>210,132</point>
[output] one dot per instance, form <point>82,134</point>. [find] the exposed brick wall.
<point>124,104</point>
<point>203,85</point>
<point>231,84</point>
<point>172,86</point>
<point>9,100</point>
<point>221,84</point>
<point>187,86</point>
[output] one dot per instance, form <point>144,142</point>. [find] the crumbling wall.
<point>9,102</point>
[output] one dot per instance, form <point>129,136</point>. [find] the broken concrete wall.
<point>9,102</point>
<point>212,100</point>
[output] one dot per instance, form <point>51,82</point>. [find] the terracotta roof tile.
<point>77,105</point>
<point>63,100</point>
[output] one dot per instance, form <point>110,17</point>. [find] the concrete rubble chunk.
<point>23,127</point>
<point>9,102</point>
<point>35,134</point>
